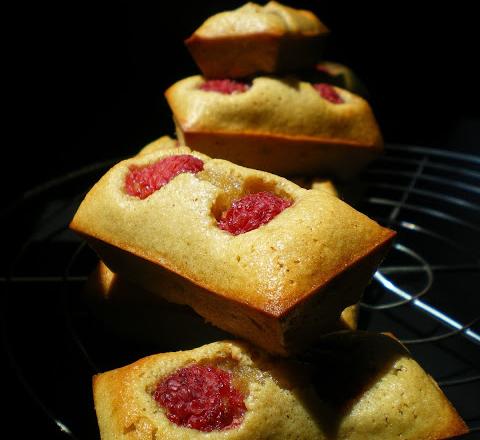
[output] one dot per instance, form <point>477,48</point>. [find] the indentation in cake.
<point>328,92</point>
<point>201,397</point>
<point>245,204</point>
<point>225,86</point>
<point>142,181</point>
<point>252,211</point>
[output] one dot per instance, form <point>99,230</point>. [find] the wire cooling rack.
<point>426,291</point>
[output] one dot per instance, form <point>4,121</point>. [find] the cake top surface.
<point>279,106</point>
<point>273,18</point>
<point>362,386</point>
<point>270,268</point>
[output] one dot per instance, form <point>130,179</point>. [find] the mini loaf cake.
<point>362,387</point>
<point>280,125</point>
<point>251,252</point>
<point>257,39</point>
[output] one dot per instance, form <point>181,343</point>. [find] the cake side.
<point>273,153</point>
<point>146,316</point>
<point>298,328</point>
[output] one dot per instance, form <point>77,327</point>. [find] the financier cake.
<point>253,253</point>
<point>361,386</point>
<point>281,125</point>
<point>257,39</point>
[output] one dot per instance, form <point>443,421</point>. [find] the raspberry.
<point>328,92</point>
<point>201,397</point>
<point>252,211</point>
<point>225,86</point>
<point>143,181</point>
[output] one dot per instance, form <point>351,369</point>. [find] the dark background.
<point>88,79</point>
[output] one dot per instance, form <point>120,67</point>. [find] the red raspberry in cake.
<point>328,92</point>
<point>225,86</point>
<point>252,211</point>
<point>143,181</point>
<point>201,397</point>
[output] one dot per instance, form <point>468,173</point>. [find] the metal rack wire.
<point>426,291</point>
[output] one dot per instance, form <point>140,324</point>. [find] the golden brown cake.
<point>280,125</point>
<point>280,285</point>
<point>362,386</point>
<point>254,39</point>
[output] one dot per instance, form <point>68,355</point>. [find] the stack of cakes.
<point>254,106</point>
<point>254,254</point>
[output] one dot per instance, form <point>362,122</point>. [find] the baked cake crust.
<point>254,39</point>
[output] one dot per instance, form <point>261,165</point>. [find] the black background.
<point>87,78</point>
